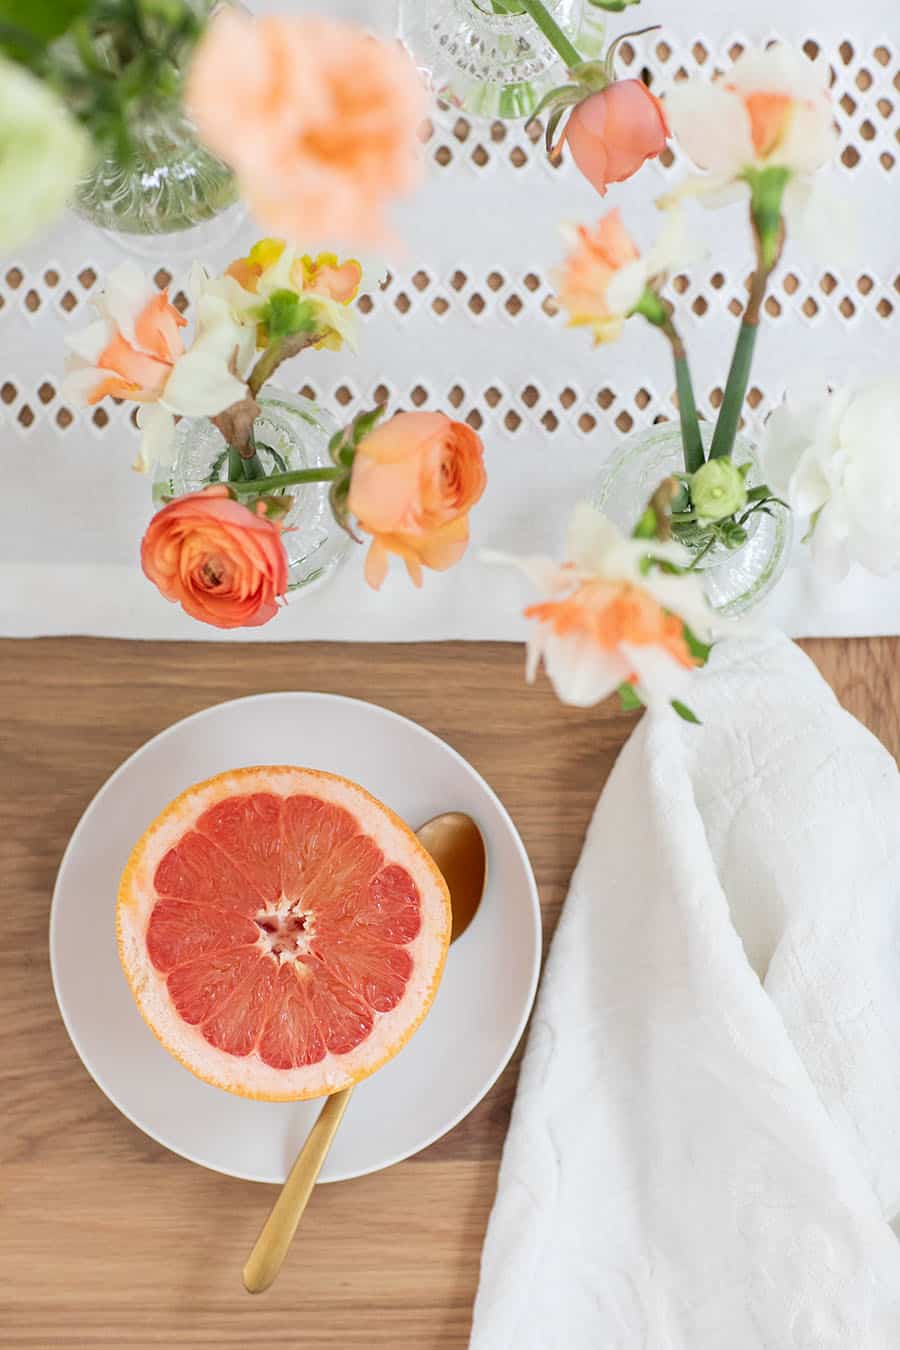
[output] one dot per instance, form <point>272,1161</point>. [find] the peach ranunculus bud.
<point>414,480</point>
<point>224,563</point>
<point>318,119</point>
<point>612,132</point>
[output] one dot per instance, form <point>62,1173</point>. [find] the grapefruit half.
<point>282,931</point>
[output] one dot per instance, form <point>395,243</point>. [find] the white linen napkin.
<point>705,1148</point>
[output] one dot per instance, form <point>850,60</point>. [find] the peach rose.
<point>317,118</point>
<point>611,133</point>
<point>414,481</point>
<point>222,562</point>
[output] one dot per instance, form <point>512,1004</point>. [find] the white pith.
<point>251,1075</point>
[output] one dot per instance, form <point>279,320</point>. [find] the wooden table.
<point>108,1239</point>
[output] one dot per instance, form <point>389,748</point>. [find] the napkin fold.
<point>704,1152</point>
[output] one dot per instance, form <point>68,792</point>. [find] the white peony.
<point>837,461</point>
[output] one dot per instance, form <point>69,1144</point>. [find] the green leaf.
<point>39,20</point>
<point>364,423</point>
<point>699,650</point>
<point>758,494</point>
<point>563,94</point>
<point>629,698</point>
<point>647,525</point>
<point>613,6</point>
<point>685,713</point>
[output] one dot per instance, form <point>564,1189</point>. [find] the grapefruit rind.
<point>250,1076</point>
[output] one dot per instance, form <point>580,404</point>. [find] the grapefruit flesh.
<point>282,931</point>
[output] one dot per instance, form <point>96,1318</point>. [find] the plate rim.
<point>390,714</point>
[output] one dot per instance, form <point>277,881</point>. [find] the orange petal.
<point>156,328</point>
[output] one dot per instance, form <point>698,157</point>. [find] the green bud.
<point>717,490</point>
<point>285,314</point>
<point>613,6</point>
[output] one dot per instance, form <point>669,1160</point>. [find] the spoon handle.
<point>272,1244</point>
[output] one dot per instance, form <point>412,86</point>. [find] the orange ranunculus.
<point>414,481</point>
<point>318,119</point>
<point>222,562</point>
<point>589,268</point>
<point>611,133</point>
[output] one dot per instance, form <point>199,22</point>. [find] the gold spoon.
<point>457,846</point>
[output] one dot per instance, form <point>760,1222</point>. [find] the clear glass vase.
<point>488,59</point>
<point>735,580</point>
<point>291,433</point>
<point>173,198</point>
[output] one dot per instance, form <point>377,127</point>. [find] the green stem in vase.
<point>766,192</point>
<point>276,481</point>
<point>551,31</point>
<point>656,311</point>
<point>235,464</point>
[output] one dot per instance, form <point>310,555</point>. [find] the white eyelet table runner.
<point>467,324</point>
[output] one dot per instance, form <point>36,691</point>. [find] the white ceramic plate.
<point>482,1004</point>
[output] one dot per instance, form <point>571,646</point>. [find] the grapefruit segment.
<point>283,932</point>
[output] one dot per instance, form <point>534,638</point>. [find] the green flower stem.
<point>235,464</point>
<point>275,353</point>
<point>735,392</point>
<point>276,481</point>
<point>656,311</point>
<point>552,32</point>
<point>253,467</point>
<point>766,193</point>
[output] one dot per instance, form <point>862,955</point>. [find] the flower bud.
<point>718,490</point>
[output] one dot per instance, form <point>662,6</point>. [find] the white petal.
<point>811,138</point>
<point>808,488</point>
<point>659,677</point>
<point>220,333</point>
<point>581,672</point>
<point>780,69</point>
<point>126,294</point>
<point>829,545</point>
<point>675,246</point>
<point>157,436</point>
<point>788,435</point>
<point>712,125</point>
<point>545,574</point>
<point>80,382</point>
<point>201,385</point>
<point>91,341</point>
<point>627,286</point>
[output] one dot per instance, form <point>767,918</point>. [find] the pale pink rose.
<point>414,480</point>
<point>318,119</point>
<point>613,132</point>
<point>224,563</point>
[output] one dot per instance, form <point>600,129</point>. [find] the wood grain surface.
<point>109,1240</point>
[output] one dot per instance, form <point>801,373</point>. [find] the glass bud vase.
<point>735,580</point>
<point>487,57</point>
<point>291,433</point>
<point>172,198</point>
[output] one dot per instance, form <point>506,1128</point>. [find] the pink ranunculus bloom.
<point>318,119</point>
<point>613,132</point>
<point>224,563</point>
<point>415,479</point>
